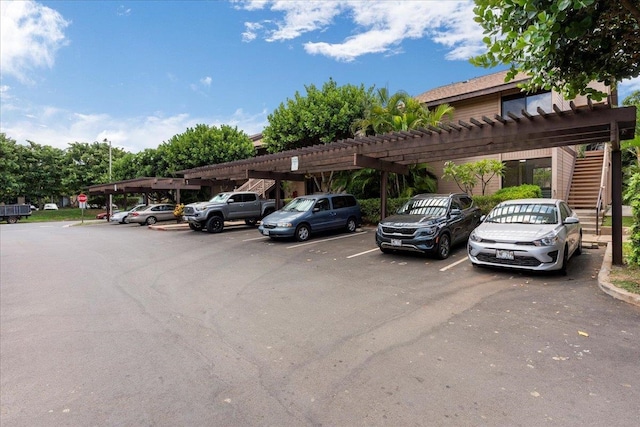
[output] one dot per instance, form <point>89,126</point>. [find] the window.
<point>530,103</point>
<point>529,171</point>
<point>323,204</point>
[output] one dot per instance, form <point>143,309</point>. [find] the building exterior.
<point>550,168</point>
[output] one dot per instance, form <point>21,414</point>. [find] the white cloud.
<point>206,81</point>
<point>123,11</point>
<point>30,36</point>
<point>379,26</point>
<point>628,86</point>
<point>57,128</point>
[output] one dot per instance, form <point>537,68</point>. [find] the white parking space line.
<point>362,253</point>
<point>255,238</point>
<point>326,240</point>
<point>460,261</point>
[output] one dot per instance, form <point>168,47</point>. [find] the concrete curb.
<point>607,287</point>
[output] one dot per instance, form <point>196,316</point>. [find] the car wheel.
<point>12,220</point>
<point>151,220</point>
<point>215,224</point>
<point>195,227</point>
<point>444,246</point>
<point>351,225</point>
<point>302,233</point>
<point>251,222</point>
<point>565,258</point>
<point>579,248</point>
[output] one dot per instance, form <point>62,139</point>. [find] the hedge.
<point>371,207</point>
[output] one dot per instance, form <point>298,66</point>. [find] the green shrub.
<point>632,198</point>
<point>371,208</point>
<point>525,191</point>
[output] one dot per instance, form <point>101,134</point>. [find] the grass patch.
<point>62,214</point>
<point>627,221</point>
<point>626,276</point>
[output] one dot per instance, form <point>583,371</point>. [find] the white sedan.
<point>530,234</point>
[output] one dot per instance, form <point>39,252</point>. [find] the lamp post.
<point>110,195</point>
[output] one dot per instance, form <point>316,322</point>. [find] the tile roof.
<point>470,88</point>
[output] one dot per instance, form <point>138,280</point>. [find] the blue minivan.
<point>305,215</point>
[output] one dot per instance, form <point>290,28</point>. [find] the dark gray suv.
<point>429,223</point>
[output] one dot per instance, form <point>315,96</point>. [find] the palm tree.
<point>401,112</point>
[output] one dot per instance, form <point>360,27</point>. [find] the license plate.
<point>265,232</point>
<point>396,242</point>
<point>504,254</point>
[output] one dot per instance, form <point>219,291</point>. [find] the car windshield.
<point>435,206</point>
<point>299,205</point>
<point>220,198</point>
<point>138,208</point>
<point>525,213</point>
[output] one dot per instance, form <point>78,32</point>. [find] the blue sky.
<point>139,72</point>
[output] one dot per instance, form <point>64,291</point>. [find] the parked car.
<point>151,214</point>
<point>531,234</point>
<point>122,216</point>
<point>33,207</point>
<point>50,207</point>
<point>103,215</point>
<point>429,223</point>
<point>305,215</point>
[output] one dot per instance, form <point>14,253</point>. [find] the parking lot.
<point>122,325</point>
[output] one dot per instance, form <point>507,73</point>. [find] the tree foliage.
<point>562,44</point>
<point>397,112</point>
<point>320,116</point>
<point>467,175</point>
<point>204,145</point>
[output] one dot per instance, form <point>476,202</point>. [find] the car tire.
<point>215,224</point>
<point>303,232</point>
<point>579,248</point>
<point>12,220</point>
<point>443,249</point>
<point>565,259</point>
<point>351,225</point>
<point>151,220</point>
<point>195,227</point>
<point>251,222</point>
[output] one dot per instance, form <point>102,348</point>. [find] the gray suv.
<point>429,223</point>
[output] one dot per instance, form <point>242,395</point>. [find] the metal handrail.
<point>603,178</point>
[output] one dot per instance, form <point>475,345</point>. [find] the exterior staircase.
<point>585,188</point>
<point>585,184</point>
<point>260,186</point>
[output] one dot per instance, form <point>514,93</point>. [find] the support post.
<point>616,195</point>
<point>384,177</point>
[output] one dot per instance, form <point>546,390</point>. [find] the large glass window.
<point>529,171</point>
<point>530,103</point>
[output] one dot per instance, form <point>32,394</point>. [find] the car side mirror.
<point>230,201</point>
<point>314,210</point>
<point>571,220</point>
<point>456,212</point>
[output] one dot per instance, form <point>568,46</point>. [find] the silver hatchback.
<point>530,234</point>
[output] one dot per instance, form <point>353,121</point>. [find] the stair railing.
<point>603,181</point>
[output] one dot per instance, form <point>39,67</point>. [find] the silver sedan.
<point>152,214</point>
<point>531,234</point>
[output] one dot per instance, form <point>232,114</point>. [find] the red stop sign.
<point>82,198</point>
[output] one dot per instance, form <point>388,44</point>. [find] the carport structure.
<point>396,151</point>
<point>145,186</point>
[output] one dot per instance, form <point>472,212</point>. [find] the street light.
<point>110,195</point>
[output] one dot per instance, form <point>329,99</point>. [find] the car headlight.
<point>428,231</point>
<point>473,236</point>
<point>284,225</point>
<point>549,239</point>
<point>199,208</point>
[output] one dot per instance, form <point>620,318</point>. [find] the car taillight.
<point>135,214</point>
